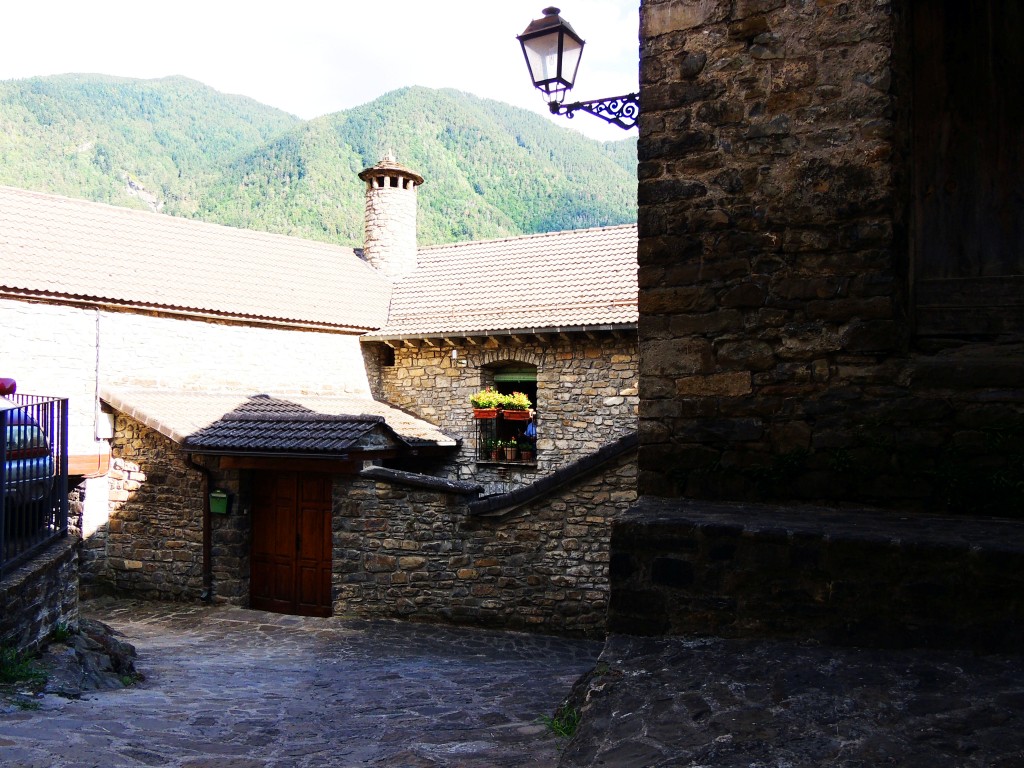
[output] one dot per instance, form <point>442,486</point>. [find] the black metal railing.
<point>33,476</point>
<point>501,441</point>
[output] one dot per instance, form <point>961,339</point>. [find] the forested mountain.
<point>173,144</point>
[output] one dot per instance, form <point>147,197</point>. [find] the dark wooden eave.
<point>509,337</point>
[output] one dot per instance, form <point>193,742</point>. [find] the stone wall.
<point>399,551</point>
<point>152,544</point>
<point>413,553</point>
<point>778,352</point>
<point>586,397</point>
<point>39,596</point>
<point>229,537</point>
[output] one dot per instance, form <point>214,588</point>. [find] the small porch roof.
<point>285,425</point>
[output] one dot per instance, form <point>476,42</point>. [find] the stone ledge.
<point>842,576</point>
<point>833,524</point>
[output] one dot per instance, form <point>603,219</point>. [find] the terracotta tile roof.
<point>571,279</point>
<point>260,422</point>
<point>58,246</point>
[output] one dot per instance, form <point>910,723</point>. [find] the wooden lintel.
<point>333,466</point>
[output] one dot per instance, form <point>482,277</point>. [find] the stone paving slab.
<point>235,688</point>
<point>658,702</point>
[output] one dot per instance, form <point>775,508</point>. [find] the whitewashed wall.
<point>66,351</point>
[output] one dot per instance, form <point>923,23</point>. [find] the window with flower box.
<point>506,416</point>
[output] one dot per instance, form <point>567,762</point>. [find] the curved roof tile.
<point>59,246</point>
<point>585,277</point>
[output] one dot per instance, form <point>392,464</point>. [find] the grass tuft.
<point>564,722</point>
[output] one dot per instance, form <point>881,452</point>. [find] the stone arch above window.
<point>492,357</point>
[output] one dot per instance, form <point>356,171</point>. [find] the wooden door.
<point>291,543</point>
<point>968,167</point>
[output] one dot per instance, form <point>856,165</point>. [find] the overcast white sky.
<point>314,57</point>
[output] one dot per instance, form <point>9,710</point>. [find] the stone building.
<point>286,424</point>
<point>831,263</point>
<point>831,255</point>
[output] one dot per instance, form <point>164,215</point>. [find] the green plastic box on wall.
<point>220,501</point>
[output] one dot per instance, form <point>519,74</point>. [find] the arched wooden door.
<point>291,543</point>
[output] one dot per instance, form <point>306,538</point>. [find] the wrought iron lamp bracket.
<point>622,111</point>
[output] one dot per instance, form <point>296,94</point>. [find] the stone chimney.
<point>390,242</point>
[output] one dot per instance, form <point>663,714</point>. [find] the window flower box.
<point>517,407</point>
<point>486,403</point>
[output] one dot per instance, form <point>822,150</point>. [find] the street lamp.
<point>552,50</point>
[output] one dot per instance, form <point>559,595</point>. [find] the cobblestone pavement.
<point>776,704</point>
<point>235,688</point>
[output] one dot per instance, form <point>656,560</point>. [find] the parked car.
<point>28,461</point>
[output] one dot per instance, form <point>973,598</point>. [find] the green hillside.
<point>491,170</point>
<point>88,135</point>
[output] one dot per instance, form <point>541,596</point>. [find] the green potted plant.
<point>508,450</point>
<point>517,407</point>
<point>491,447</point>
<point>486,403</point>
<point>525,449</point>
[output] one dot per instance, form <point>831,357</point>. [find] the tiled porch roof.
<point>555,281</point>
<point>52,246</point>
<point>283,424</point>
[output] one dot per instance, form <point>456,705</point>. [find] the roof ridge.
<point>168,217</point>
<point>531,236</point>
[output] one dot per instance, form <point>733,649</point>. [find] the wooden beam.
<point>333,466</point>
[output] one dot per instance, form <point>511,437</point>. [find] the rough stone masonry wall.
<point>39,596</point>
<point>152,545</point>
<point>412,553</point>
<point>586,397</point>
<point>776,348</point>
